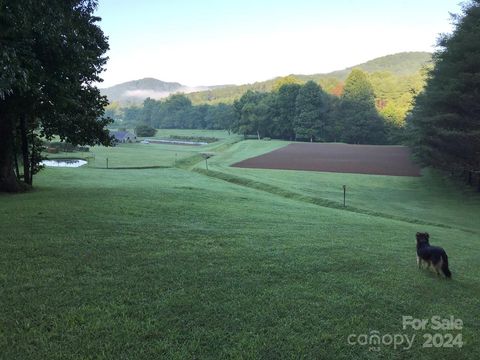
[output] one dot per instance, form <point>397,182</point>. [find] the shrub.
<point>145,130</point>
<point>56,146</point>
<point>194,138</point>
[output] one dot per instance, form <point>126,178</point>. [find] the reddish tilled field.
<point>340,158</point>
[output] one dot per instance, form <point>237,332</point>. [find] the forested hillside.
<point>394,80</point>
<point>399,65</point>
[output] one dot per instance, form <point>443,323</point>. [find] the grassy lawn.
<point>170,263</point>
<point>134,155</point>
<point>430,198</point>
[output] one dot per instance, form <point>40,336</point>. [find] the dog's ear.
<point>427,235</point>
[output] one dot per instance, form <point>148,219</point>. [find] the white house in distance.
<point>123,136</point>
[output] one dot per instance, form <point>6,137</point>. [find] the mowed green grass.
<point>432,198</point>
<point>169,263</point>
<point>138,155</point>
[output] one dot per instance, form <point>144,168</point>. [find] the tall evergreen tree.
<point>445,122</point>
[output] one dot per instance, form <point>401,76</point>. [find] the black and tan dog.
<point>433,256</point>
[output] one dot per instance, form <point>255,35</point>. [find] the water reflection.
<point>64,163</point>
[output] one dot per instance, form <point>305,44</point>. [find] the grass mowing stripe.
<point>315,200</point>
<point>189,162</point>
<point>433,197</point>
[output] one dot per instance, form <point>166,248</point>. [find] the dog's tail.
<point>445,268</point>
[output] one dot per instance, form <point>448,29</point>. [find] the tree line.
<point>308,113</point>
<point>396,79</point>
<point>175,112</point>
<point>291,111</point>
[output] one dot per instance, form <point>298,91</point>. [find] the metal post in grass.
<point>206,156</point>
<point>107,163</point>
<point>344,194</point>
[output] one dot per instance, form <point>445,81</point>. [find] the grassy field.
<point>138,155</point>
<point>234,263</point>
<point>431,198</point>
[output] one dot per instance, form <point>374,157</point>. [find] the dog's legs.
<point>438,266</point>
<point>422,264</point>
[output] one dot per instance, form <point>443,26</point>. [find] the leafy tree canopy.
<point>51,54</point>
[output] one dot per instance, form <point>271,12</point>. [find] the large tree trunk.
<point>8,180</point>
<point>25,152</point>
<point>32,158</point>
<point>15,156</point>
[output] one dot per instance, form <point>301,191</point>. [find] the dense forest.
<point>394,79</point>
<point>295,110</point>
<point>307,112</point>
<point>175,112</point>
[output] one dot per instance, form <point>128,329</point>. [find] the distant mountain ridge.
<point>400,64</point>
<point>403,68</point>
<point>134,92</point>
<point>137,91</point>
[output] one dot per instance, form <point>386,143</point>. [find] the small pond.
<point>175,142</point>
<point>64,163</point>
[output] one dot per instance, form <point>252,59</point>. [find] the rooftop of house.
<point>122,135</point>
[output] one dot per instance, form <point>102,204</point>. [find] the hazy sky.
<point>212,42</point>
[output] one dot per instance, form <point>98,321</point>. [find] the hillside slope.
<point>134,92</point>
<point>401,66</point>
